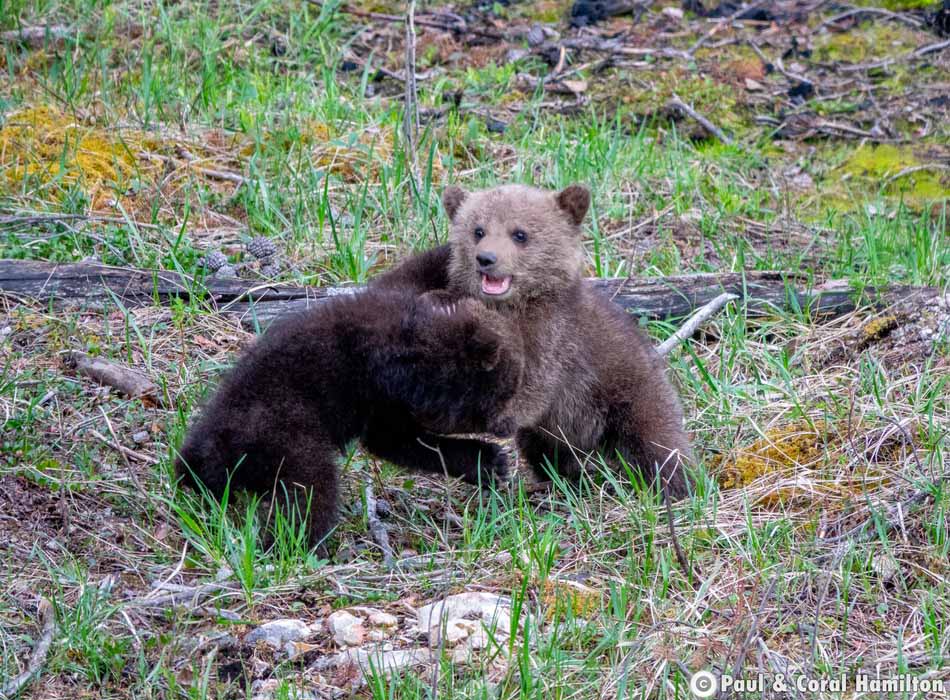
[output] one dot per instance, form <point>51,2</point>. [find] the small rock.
<point>515,55</point>
<point>884,566</point>
<point>140,437</point>
<point>753,85</point>
<point>485,609</point>
<point>295,649</point>
<point>269,688</point>
<point>378,661</point>
<point>495,126</point>
<point>674,13</point>
<point>277,633</point>
<point>382,625</point>
<point>802,181</point>
<point>457,630</point>
<point>378,618</point>
<point>347,629</point>
<point>536,35</point>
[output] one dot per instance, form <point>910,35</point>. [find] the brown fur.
<point>592,379</point>
<point>381,366</point>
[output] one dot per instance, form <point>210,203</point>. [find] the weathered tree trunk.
<point>259,303</point>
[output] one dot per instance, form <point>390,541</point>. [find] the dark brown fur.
<point>379,366</point>
<point>592,379</point>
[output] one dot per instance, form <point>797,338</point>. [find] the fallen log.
<point>258,304</point>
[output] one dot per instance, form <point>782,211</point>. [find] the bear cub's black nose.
<point>486,259</point>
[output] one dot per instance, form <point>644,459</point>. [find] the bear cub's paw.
<point>466,333</point>
<point>495,464</point>
<point>441,301</point>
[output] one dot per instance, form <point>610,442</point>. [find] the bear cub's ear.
<point>452,198</point>
<point>574,200</point>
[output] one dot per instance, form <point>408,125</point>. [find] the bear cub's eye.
<point>479,233</point>
<point>520,236</point>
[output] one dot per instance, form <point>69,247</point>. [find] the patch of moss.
<point>47,144</point>
<point>867,42</point>
<point>897,171</point>
<point>563,595</point>
<point>780,450</point>
<point>351,156</point>
<point>545,11</point>
<point>877,328</point>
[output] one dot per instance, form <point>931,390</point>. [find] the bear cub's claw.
<point>441,302</point>
<point>495,464</point>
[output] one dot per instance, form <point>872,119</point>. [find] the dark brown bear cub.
<point>378,366</point>
<point>592,380</point>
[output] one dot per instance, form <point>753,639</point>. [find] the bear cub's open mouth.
<point>495,285</point>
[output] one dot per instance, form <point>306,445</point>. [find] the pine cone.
<point>271,269</point>
<point>213,261</point>
<point>226,271</point>
<point>261,247</point>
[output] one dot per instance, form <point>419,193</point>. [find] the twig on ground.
<point>909,56</point>
<point>36,37</point>
<point>31,218</point>
<point>677,103</point>
<point>13,686</point>
<point>906,19</point>
<point>720,25</point>
<point>226,175</point>
<point>449,514</point>
<point>694,322</point>
<point>454,26</point>
<point>680,556</point>
<point>752,634</point>
<point>130,382</point>
<point>410,122</point>
<point>377,528</point>
<point>179,595</point>
<point>916,169</point>
<point>122,449</point>
<point>892,517</point>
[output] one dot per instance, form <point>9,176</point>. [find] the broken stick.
<point>126,380</point>
<point>678,104</point>
<point>36,37</point>
<point>693,323</point>
<point>13,686</point>
<point>377,529</point>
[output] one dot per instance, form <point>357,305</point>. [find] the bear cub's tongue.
<point>495,285</point>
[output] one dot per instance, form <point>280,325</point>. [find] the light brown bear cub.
<point>592,380</point>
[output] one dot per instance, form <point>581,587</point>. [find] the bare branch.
<point>376,527</point>
<point>694,322</point>
<point>677,103</point>
<point>128,381</point>
<point>40,651</point>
